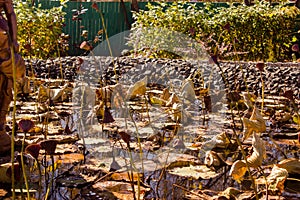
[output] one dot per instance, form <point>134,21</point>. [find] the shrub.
<point>237,32</point>
<point>40,30</point>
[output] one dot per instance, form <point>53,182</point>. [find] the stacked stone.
<point>277,77</point>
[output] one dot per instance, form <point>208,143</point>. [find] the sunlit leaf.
<point>277,178</point>
<point>296,119</point>
<point>292,165</point>
<point>256,123</point>
<point>194,172</point>
<point>172,100</point>
<point>165,95</point>
<point>238,170</point>
<point>239,167</point>
<point>138,89</point>
<point>54,166</point>
<point>157,100</point>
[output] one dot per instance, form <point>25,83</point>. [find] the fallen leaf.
<point>53,93</point>
<point>194,172</point>
<point>238,170</point>
<point>239,167</point>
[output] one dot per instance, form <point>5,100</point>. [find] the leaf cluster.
<point>233,32</point>
<point>40,30</point>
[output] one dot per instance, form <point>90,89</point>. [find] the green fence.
<point>117,19</point>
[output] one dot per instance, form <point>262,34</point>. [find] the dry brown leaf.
<point>238,170</point>
<point>172,100</point>
<point>239,167</point>
<point>249,99</point>
<point>292,165</point>
<point>104,93</point>
<point>166,94</point>
<point>53,94</point>
<point>277,178</point>
<point>187,90</point>
<point>259,152</point>
<point>124,176</point>
<point>138,89</point>
<point>256,123</point>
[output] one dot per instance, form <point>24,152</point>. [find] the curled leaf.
<point>256,123</point>
<point>259,152</point>
<point>238,170</point>
<point>292,165</point>
<point>277,178</point>
<point>172,100</point>
<point>165,95</point>
<point>239,167</point>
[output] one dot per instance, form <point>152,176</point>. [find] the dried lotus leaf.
<point>137,89</point>
<point>277,178</point>
<point>238,170</point>
<point>157,100</point>
<point>53,94</point>
<point>259,152</point>
<point>256,123</point>
<point>172,100</point>
<point>187,90</point>
<point>292,165</point>
<point>249,99</point>
<point>166,94</point>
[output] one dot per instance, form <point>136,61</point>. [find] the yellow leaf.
<point>238,170</point>
<point>156,100</point>
<point>54,166</point>
<point>138,89</point>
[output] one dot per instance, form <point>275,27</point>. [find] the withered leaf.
<point>172,100</point>
<point>277,178</point>
<point>256,123</point>
<point>187,90</point>
<point>137,89</point>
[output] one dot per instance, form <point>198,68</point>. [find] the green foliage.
<point>39,30</point>
<point>239,32</point>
